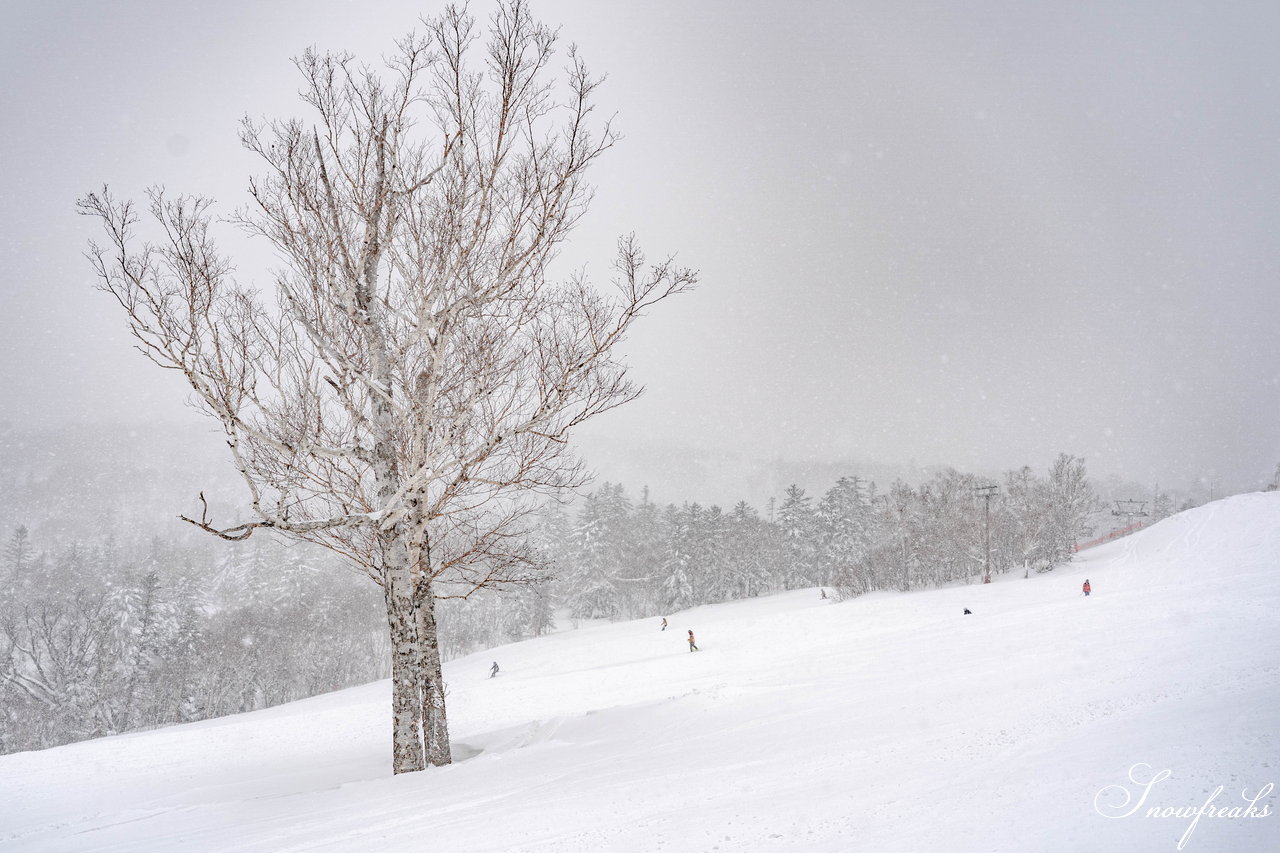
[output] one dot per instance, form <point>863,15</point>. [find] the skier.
<point>968,612</point>
<point>693,647</point>
<point>1086,587</point>
<point>664,623</point>
<point>494,670</point>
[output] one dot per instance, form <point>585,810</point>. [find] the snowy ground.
<point>889,723</point>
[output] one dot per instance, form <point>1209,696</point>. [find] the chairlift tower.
<point>987,492</point>
<point>1130,509</point>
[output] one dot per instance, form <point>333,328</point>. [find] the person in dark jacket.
<point>664,623</point>
<point>494,670</point>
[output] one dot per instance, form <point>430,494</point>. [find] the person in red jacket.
<point>1086,586</point>
<point>693,647</point>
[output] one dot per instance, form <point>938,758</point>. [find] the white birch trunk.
<point>406,678</point>
<point>435,723</point>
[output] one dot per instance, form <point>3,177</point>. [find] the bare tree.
<point>1072,503</point>
<point>419,372</point>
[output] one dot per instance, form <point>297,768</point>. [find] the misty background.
<point>972,236</point>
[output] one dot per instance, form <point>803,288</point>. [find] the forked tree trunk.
<point>406,670</point>
<point>435,723</point>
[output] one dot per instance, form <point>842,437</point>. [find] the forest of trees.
<point>622,558</point>
<point>99,636</point>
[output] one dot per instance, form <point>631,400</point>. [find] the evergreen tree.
<point>592,589</point>
<point>552,537</point>
<point>746,549</point>
<point>1161,505</point>
<point>844,531</point>
<point>645,558</point>
<point>798,527</point>
<point>718,581</point>
<point>627,576</point>
<point>679,586</point>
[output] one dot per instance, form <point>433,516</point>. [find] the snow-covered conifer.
<point>798,528</point>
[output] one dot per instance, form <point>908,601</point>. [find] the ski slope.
<point>887,723</point>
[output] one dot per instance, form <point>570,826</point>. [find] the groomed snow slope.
<point>887,723</point>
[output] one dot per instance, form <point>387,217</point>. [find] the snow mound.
<point>1245,528</point>
<point>888,723</point>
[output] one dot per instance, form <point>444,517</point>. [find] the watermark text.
<point>1121,801</point>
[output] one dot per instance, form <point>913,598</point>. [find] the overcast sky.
<point>974,234</point>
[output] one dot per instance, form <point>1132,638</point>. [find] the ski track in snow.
<point>886,723</point>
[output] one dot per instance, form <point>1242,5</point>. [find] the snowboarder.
<point>1086,587</point>
<point>693,647</point>
<point>664,623</point>
<point>968,612</point>
<point>494,670</point>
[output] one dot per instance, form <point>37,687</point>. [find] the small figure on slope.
<point>664,623</point>
<point>494,670</point>
<point>1086,587</point>
<point>693,647</point>
<point>968,612</point>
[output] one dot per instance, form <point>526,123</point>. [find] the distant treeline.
<point>620,558</point>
